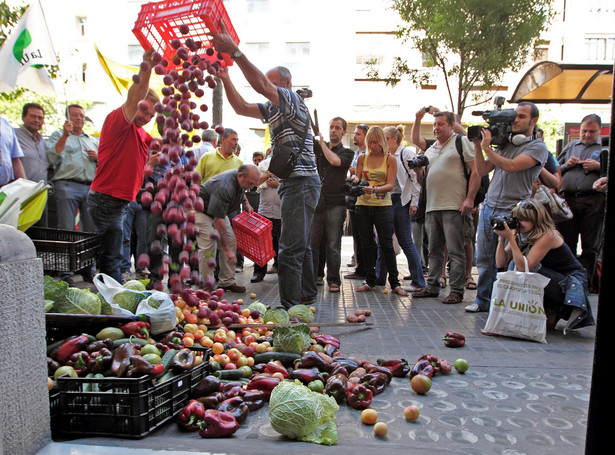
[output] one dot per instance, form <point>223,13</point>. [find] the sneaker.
<point>273,269</point>
<point>234,288</point>
<point>474,308</point>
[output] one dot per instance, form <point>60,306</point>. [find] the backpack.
<point>484,181</point>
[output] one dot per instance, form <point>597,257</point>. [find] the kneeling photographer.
<point>516,162</point>
<point>530,231</point>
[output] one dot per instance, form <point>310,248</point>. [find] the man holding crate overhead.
<point>288,119</point>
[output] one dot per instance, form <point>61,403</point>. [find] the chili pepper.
<point>263,383</point>
<point>236,407</point>
<point>338,368</point>
<point>189,417</point>
<point>70,346</point>
<point>323,339</point>
<point>423,367</point>
<point>359,396</point>
<point>138,367</point>
<point>173,339</point>
<point>454,340</point>
<point>183,360</point>
<point>336,386</point>
<point>207,385</point>
<point>121,359</point>
<point>398,367</point>
<point>212,400</point>
<point>347,363</point>
<point>274,367</point>
<point>139,329</point>
<point>217,424</point>
<point>373,368</point>
<point>311,359</point>
<point>79,361</point>
<point>433,359</point>
<point>306,375</point>
<point>99,344</point>
<point>376,382</point>
<point>52,366</point>
<point>100,361</point>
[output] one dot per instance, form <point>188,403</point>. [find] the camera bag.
<point>284,157</point>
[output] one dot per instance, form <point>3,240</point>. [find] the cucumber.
<point>87,386</point>
<point>286,358</point>
<point>134,340</point>
<point>167,359</point>
<point>229,374</point>
<point>244,381</point>
<point>165,377</point>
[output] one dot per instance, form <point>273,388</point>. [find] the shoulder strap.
<point>459,148</point>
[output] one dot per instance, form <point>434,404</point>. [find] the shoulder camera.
<point>499,123</point>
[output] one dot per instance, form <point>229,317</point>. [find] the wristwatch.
<point>236,54</point>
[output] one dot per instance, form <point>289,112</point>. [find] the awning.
<point>549,82</point>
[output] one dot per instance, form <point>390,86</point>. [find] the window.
<point>82,25</point>
<point>257,6</point>
<point>297,51</point>
<point>600,49</point>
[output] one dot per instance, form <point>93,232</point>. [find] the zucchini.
<point>165,377</point>
<point>286,358</point>
<point>55,345</point>
<point>244,381</point>
<point>229,374</point>
<point>134,340</point>
<point>167,359</point>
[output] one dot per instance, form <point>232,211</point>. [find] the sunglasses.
<point>526,205</point>
<point>363,126</point>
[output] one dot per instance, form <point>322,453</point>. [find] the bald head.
<point>280,77</point>
<point>248,176</point>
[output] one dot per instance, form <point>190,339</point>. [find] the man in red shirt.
<point>122,156</point>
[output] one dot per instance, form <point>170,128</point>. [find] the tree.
<point>471,43</point>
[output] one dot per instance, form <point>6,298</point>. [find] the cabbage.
<point>53,288</point>
<point>295,338</point>
<point>105,308</point>
<point>276,315</point>
<point>48,306</point>
<point>77,301</point>
<point>128,300</point>
<point>298,413</point>
<point>135,285</point>
<point>258,306</point>
<point>301,312</point>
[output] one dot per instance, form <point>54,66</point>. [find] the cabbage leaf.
<point>77,301</point>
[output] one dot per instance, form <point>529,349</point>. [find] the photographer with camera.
<point>333,161</point>
<point>374,208</point>
<point>450,198</point>
<point>516,164</point>
<point>535,236</point>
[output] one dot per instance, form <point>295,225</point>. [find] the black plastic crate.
<point>65,251</point>
<point>55,410</point>
<point>127,408</point>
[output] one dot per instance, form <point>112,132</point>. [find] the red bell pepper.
<point>376,382</point>
<point>236,407</point>
<point>274,367</point>
<point>434,360</point>
<point>359,396</point>
<point>79,361</point>
<point>454,340</point>
<point>423,367</point>
<point>189,417</point>
<point>100,361</point>
<point>323,339</point>
<point>263,383</point>
<point>139,329</point>
<point>217,424</point>
<point>71,346</point>
<point>398,367</point>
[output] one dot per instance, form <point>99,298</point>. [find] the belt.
<point>74,181</point>
<point>580,193</point>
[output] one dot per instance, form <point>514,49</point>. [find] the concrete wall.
<point>24,399</point>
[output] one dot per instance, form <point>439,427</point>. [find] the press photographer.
<point>516,164</point>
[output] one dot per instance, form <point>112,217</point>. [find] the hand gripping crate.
<point>159,22</point>
<point>123,407</point>
<point>254,238</point>
<point>65,251</point>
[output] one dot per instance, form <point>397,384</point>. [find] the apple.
<point>369,416</point>
<point>381,429</point>
<point>411,412</point>
<point>461,365</point>
<point>420,384</point>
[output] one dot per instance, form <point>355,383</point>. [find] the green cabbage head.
<point>77,301</point>
<point>128,300</point>
<point>135,285</point>
<point>258,306</point>
<point>295,338</point>
<point>301,312</point>
<point>276,315</point>
<point>298,413</point>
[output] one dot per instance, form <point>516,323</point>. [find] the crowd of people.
<point>388,195</point>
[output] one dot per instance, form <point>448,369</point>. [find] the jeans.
<point>330,220</point>
<point>275,233</point>
<point>356,237</point>
<point>380,217</point>
<point>135,217</point>
<point>107,212</point>
<point>403,232</point>
<point>298,199</point>
<point>486,245</point>
<point>445,228</point>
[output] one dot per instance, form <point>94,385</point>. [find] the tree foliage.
<point>470,42</point>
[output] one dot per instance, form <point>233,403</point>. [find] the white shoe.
<point>473,308</point>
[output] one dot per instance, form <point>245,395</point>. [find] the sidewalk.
<point>517,397</point>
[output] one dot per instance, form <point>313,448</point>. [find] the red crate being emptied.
<point>254,240</point>
<point>159,23</point>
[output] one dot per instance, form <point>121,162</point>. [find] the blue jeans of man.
<point>330,220</point>
<point>380,217</point>
<point>135,218</point>
<point>298,199</point>
<point>403,232</point>
<point>108,215</point>
<point>486,245</point>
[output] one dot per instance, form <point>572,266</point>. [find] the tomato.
<point>420,384</point>
<point>152,358</point>
<point>461,365</point>
<point>150,349</point>
<point>381,429</point>
<point>217,348</point>
<point>411,412</point>
<point>65,370</point>
<point>234,354</point>
<point>316,386</point>
<point>369,416</point>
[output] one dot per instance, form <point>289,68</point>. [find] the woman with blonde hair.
<point>374,208</point>
<point>536,238</point>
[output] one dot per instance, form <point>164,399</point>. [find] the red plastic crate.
<point>158,23</point>
<point>254,238</point>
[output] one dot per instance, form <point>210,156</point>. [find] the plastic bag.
<point>162,318</point>
<point>517,308</point>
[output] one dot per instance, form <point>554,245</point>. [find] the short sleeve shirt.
<point>9,147</point>
<point>221,194</point>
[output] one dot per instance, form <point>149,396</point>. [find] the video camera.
<point>499,123</point>
<point>497,222</point>
<point>352,191</point>
<point>419,161</point>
